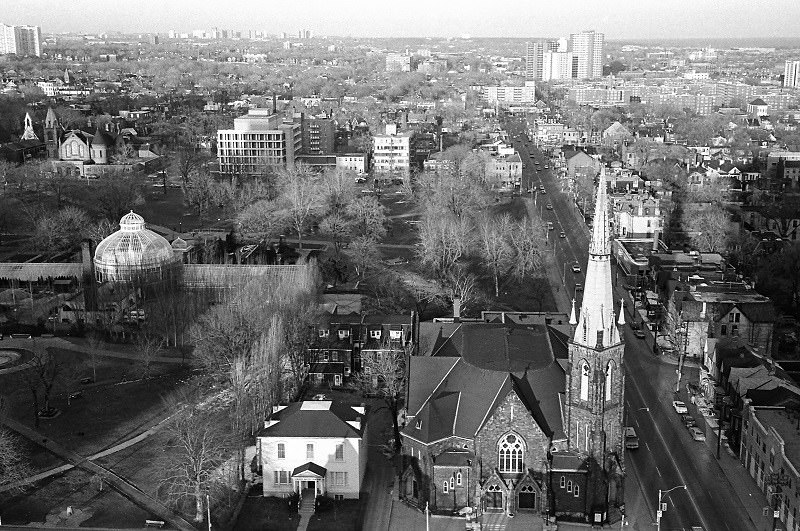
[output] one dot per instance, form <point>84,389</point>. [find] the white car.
<point>680,407</point>
<point>697,434</point>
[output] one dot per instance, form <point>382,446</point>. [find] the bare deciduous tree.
<point>198,446</point>
<point>384,374</point>
<point>148,347</point>
<point>496,251</point>
<point>300,195</point>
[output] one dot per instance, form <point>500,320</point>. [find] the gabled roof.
<point>314,468</point>
<point>315,418</point>
<point>759,102</point>
<point>470,372</point>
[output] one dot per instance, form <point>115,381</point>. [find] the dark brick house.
<point>342,340</point>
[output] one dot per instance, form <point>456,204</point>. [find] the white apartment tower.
<point>791,74</point>
<point>588,49</point>
<point>21,40</point>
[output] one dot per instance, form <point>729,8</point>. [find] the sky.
<point>618,19</point>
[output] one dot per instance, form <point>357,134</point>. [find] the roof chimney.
<point>456,309</point>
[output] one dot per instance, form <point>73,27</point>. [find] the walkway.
<point>117,482</point>
<point>104,453</point>
<point>306,510</point>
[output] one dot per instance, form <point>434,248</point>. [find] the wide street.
<point>667,456</point>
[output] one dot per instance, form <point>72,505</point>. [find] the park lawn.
<point>108,412</point>
<point>265,514</point>
<point>514,207</point>
<point>74,488</point>
<point>345,515</point>
<point>168,210</point>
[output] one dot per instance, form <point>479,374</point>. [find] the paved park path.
<point>118,483</point>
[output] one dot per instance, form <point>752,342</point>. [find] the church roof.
<point>444,397</point>
<point>596,323</point>
<point>101,138</point>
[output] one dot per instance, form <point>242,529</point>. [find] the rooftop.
<point>779,420</point>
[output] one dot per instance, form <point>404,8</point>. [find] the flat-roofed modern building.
<point>259,141</point>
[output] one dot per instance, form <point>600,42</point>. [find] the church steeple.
<point>596,324</point>
<point>28,134</point>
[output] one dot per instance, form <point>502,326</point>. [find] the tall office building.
<point>588,49</point>
<point>791,74</point>
<point>21,40</point>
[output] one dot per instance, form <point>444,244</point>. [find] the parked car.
<point>688,421</point>
<point>549,206</point>
<point>638,334</point>
<point>562,234</point>
<point>578,286</point>
<point>697,434</point>
<point>576,268</point>
<point>679,407</point>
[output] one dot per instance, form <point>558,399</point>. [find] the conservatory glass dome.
<point>133,252</point>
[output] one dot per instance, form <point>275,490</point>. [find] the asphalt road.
<point>667,456</point>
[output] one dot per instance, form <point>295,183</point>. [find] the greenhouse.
<point>134,253</point>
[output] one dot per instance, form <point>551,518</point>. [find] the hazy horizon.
<point>618,19</point>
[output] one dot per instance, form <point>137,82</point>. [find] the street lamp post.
<point>661,508</point>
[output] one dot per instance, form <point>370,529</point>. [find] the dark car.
<point>638,334</point>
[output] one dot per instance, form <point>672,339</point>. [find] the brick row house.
<point>342,340</point>
<point>510,417</point>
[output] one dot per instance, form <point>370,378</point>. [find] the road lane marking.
<point>659,471</point>
<point>672,458</point>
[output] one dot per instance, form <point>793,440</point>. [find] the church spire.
<point>28,134</point>
<point>596,324</point>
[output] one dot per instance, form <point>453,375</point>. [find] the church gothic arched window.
<point>584,381</point>
<point>609,380</point>
<point>510,454</point>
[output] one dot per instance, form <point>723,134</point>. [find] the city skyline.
<point>618,19</point>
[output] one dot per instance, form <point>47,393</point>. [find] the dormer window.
<point>323,332</point>
<point>418,424</point>
<point>375,334</point>
<point>395,334</point>
<point>344,333</point>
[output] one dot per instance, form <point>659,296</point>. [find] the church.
<point>91,154</point>
<point>514,417</point>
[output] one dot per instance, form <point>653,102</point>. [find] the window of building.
<point>445,487</point>
<point>569,486</point>
<point>577,491</point>
<point>609,378</point>
<point>344,334</point>
<point>734,317</point>
<point>338,479</point>
<point>281,477</point>
<point>458,479</point>
<point>585,381</point>
<point>323,332</point>
<point>375,334</point>
<point>339,452</point>
<point>281,451</point>
<point>395,334</point>
<point>562,482</point>
<point>510,454</point>
<point>451,482</point>
<point>734,330</point>
<point>724,330</point>
<point>309,451</point>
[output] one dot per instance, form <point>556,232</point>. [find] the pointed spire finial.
<point>572,320</point>
<point>621,320</point>
<point>600,244</point>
